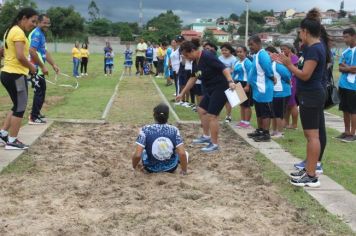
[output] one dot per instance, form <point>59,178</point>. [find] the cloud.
<point>189,10</point>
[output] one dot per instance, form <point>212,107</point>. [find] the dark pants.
<point>139,63</point>
<point>84,65</point>
<point>160,66</point>
<point>39,89</point>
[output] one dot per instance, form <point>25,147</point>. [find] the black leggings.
<point>84,65</point>
<point>16,86</point>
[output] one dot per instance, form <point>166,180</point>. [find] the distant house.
<point>336,32</point>
<point>266,37</point>
<point>202,25</point>
<point>289,13</point>
<point>220,35</point>
<point>190,34</point>
<point>299,15</point>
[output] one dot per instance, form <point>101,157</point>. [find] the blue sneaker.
<point>210,148</point>
<point>319,169</point>
<point>201,140</point>
<point>300,165</point>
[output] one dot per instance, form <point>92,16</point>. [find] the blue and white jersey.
<point>241,70</point>
<point>160,142</point>
<point>128,54</point>
<point>261,77</point>
<point>348,80</point>
<point>38,42</point>
<point>149,52</point>
<point>109,58</point>
<point>282,88</point>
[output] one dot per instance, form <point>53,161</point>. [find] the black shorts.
<point>311,107</point>
<point>16,86</point>
<point>183,77</point>
<point>140,60</point>
<point>347,100</point>
<point>264,109</point>
<point>280,106</point>
<point>214,100</point>
<point>249,102</point>
<point>197,90</point>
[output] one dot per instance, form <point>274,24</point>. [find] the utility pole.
<point>141,15</point>
<point>246,30</point>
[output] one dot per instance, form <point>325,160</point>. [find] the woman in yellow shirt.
<point>14,73</point>
<point>85,57</point>
<point>76,54</point>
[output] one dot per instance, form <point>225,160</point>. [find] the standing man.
<point>39,55</point>
<point>140,56</point>
<point>347,86</point>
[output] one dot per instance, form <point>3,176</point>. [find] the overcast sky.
<point>189,10</point>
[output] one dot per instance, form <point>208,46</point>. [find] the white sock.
<point>4,133</point>
<point>206,136</point>
<point>246,122</point>
<point>12,139</point>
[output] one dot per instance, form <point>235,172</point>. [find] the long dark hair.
<point>312,23</point>
<point>25,12</point>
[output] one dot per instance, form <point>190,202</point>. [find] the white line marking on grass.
<point>112,99</point>
<point>165,100</point>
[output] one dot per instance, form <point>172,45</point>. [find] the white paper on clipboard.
<point>232,97</point>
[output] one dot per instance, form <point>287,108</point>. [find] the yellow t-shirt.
<point>11,63</point>
<point>76,53</point>
<point>84,52</point>
<point>161,52</point>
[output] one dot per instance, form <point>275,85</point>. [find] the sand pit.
<point>82,184</point>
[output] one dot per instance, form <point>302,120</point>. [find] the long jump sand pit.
<point>81,183</point>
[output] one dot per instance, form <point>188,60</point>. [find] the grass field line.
<point>165,100</point>
<point>112,99</point>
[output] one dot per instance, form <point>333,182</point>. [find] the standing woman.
<point>229,60</point>
<point>311,96</point>
<point>13,75</point>
<point>85,58</point>
<point>216,78</point>
<point>76,55</point>
<point>241,70</point>
<point>292,107</point>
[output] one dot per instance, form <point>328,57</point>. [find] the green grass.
<point>87,102</point>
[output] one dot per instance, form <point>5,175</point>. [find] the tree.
<point>124,30</point>
<point>93,11</point>
<point>234,17</point>
<point>9,10</point>
<point>100,27</point>
<point>164,27</point>
<point>65,21</point>
<point>288,26</point>
<point>209,36</point>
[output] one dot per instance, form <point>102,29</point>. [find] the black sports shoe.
<point>297,174</point>
<point>264,137</point>
<point>306,181</point>
<point>255,133</point>
<point>37,121</point>
<point>41,116</point>
<point>16,145</point>
<point>4,139</point>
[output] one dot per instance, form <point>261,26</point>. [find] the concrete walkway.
<point>334,197</point>
<point>28,134</point>
<point>334,122</point>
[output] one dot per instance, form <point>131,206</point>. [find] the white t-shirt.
<point>155,54</point>
<point>228,62</point>
<point>175,60</point>
<point>141,46</point>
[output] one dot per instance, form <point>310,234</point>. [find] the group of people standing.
<point>80,57</point>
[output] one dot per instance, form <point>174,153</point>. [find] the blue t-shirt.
<point>160,142</point>
<point>109,59</point>
<point>128,55</point>
<point>315,52</point>
<point>149,53</point>
<point>261,77</point>
<point>347,80</point>
<point>38,42</point>
<point>241,70</point>
<point>210,70</point>
<point>283,76</point>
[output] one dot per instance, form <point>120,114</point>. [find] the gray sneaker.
<point>201,140</point>
<point>349,139</point>
<point>306,181</point>
<point>210,148</point>
<point>341,136</point>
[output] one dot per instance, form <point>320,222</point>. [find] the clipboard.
<point>237,96</point>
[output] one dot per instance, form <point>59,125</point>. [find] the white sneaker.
<point>82,74</point>
<point>186,104</point>
<point>86,74</point>
<point>178,103</point>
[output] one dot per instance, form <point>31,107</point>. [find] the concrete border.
<point>112,99</point>
<point>77,121</point>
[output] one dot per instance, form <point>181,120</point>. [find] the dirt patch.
<point>52,101</point>
<point>82,184</point>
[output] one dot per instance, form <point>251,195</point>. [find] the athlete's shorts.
<point>347,100</point>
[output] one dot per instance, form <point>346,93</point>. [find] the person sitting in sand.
<point>160,146</point>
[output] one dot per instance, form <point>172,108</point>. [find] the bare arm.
<point>136,157</point>
<point>182,158</point>
<point>229,79</point>
<point>19,47</point>
<point>35,57</point>
<point>187,87</point>
<point>347,69</point>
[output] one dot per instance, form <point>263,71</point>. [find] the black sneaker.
<point>227,119</point>
<point>41,116</point>
<point>255,133</point>
<point>297,174</point>
<point>341,136</point>
<point>264,137</point>
<point>37,121</point>
<point>3,139</point>
<point>306,181</point>
<point>16,145</point>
